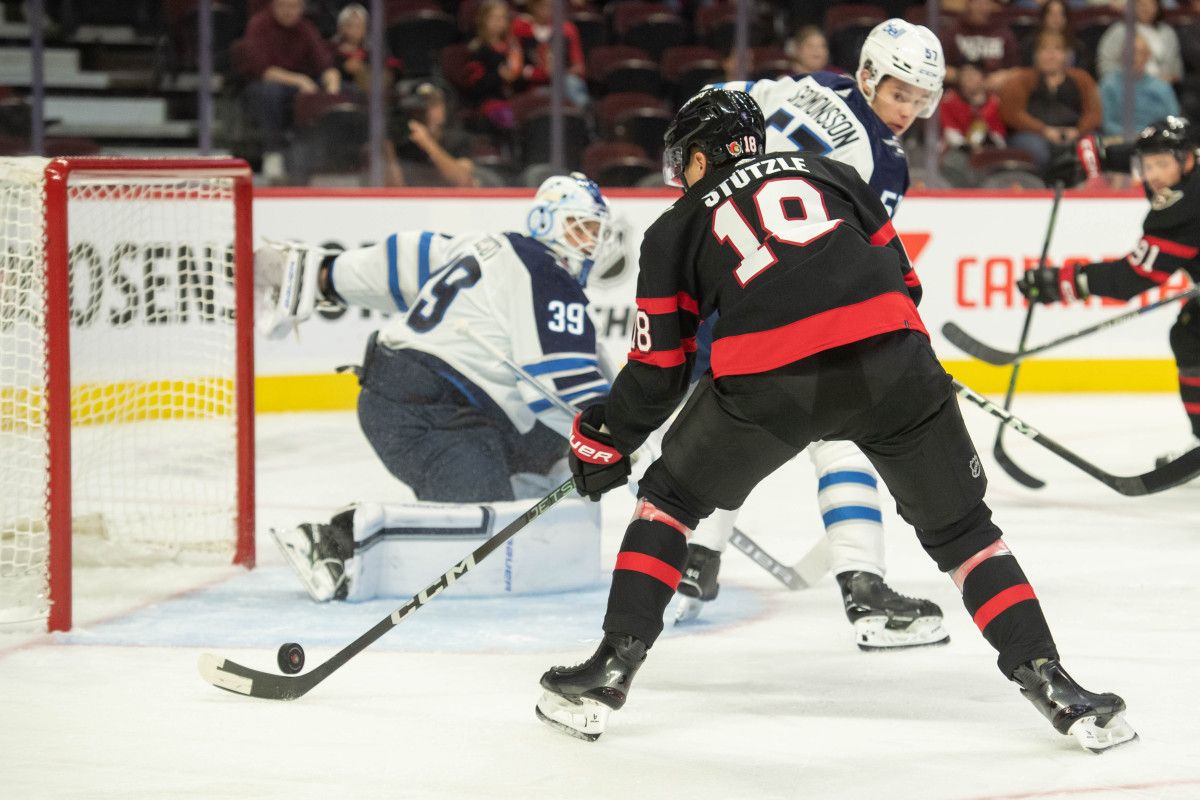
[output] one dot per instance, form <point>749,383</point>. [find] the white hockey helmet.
<point>572,218</point>
<point>911,53</point>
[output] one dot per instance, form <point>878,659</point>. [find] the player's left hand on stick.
<point>1051,284</point>
<point>285,285</point>
<point>595,462</point>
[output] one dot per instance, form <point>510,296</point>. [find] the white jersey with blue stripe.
<point>506,288</point>
<point>827,114</point>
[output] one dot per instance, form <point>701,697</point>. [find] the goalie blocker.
<point>370,550</point>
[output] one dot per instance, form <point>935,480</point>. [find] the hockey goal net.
<point>126,371</point>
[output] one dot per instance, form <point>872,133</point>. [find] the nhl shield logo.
<point>975,467</point>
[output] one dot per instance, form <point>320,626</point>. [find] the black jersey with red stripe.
<point>1170,242</point>
<point>795,252</point>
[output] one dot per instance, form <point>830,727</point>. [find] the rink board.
<point>968,248</point>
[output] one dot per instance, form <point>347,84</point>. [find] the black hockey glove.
<point>595,461</point>
<point>1081,163</point>
<point>1051,284</point>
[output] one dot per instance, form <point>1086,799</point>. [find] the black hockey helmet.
<point>1172,134</point>
<point>725,125</point>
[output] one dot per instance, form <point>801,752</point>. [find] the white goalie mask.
<point>907,52</point>
<point>571,217</point>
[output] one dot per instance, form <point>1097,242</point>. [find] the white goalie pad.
<point>401,548</point>
<point>285,285</point>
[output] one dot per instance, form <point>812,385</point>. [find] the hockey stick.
<point>991,355</point>
<point>801,575</point>
<point>816,558</point>
<point>233,677</point>
<point>1007,464</point>
<point>1173,473</point>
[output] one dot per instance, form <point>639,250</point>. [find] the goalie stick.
<point>814,563</point>
<point>1173,473</point>
<point>233,677</point>
<point>991,355</point>
<point>1007,464</point>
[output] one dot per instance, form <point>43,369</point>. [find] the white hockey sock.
<point>848,497</point>
<point>714,530</point>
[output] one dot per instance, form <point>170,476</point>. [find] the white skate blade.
<point>872,633</point>
<point>295,547</point>
<point>1097,738</point>
<point>688,610</point>
<point>584,719</point>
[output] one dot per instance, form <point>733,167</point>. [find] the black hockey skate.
<point>577,700</point>
<point>1097,721</point>
<point>698,583</point>
<point>318,554</point>
<point>884,619</point>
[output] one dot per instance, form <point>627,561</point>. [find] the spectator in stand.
<point>283,55</point>
<point>1048,106</point>
<point>978,36</point>
<point>1165,59</point>
<point>1054,15</point>
<point>1153,98</point>
<point>809,51</point>
<point>1189,41</point>
<point>423,150</point>
<point>350,53</point>
<point>494,71</point>
<point>971,114</point>
<point>532,31</point>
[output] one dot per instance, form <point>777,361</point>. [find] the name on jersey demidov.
<point>759,169</point>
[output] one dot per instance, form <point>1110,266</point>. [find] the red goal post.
<point>143,414</point>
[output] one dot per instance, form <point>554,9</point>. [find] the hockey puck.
<point>291,658</point>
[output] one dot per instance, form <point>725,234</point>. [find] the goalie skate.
<point>698,582</point>
<point>318,555</point>
<point>884,619</point>
<point>578,700</point>
<point>1097,721</point>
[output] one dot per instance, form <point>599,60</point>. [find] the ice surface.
<point>766,698</point>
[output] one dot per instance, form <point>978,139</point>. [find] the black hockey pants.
<point>442,435</point>
<point>887,394</point>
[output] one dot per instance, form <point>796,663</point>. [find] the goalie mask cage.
<point>126,371</point>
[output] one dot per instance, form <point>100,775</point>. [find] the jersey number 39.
<point>436,296</point>
<point>790,210</point>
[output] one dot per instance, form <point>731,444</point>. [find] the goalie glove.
<point>285,285</point>
<point>596,464</point>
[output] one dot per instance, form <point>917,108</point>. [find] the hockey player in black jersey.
<point>818,338</point>
<point>1164,159</point>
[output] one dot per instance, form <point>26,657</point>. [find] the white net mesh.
<point>153,360</point>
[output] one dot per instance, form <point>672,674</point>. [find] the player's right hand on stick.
<point>595,462</point>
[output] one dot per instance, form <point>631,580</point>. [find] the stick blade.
<point>975,348</point>
<point>1169,475</point>
<point>233,677</point>
<point>1008,465</point>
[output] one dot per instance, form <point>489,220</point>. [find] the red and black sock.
<point>1004,607</point>
<point>646,573</point>
<point>1189,390</point>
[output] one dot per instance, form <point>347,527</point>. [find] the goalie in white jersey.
<point>440,400</point>
<point>856,120</point>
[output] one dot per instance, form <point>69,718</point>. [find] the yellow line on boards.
<point>335,392</point>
